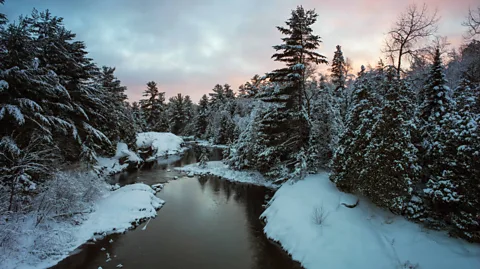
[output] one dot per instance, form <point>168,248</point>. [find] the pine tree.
<point>154,108</point>
<point>349,162</point>
<point>392,171</point>
<point>116,125</point>
<point>437,96</point>
<point>339,79</point>
<point>56,49</point>
<point>218,96</point>
<point>189,112</point>
<point>201,121</point>
<point>285,130</point>
<point>139,119</point>
<point>326,128</point>
<point>250,88</point>
<point>437,103</point>
<point>177,114</point>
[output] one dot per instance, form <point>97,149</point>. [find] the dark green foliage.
<point>348,162</point>
<point>154,108</point>
<point>201,121</point>
<point>284,130</point>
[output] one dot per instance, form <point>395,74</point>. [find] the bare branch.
<point>472,23</point>
<point>413,26</point>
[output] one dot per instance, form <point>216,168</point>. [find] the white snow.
<point>163,143</point>
<point>218,168</point>
<point>112,165</point>
<point>205,143</point>
<point>114,213</point>
<point>310,223</point>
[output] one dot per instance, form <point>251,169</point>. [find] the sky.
<point>188,46</point>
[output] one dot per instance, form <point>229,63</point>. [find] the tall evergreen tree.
<point>349,163</point>
<point>339,79</point>
<point>392,171</point>
<point>201,122</point>
<point>116,124</point>
<point>189,112</point>
<point>177,114</point>
<point>154,108</point>
<point>285,130</point>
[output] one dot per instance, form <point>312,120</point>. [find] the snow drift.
<point>310,222</point>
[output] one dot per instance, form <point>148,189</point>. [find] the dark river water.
<point>206,223</point>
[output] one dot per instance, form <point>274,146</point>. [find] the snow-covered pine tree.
<point>154,108</point>
<point>349,164</point>
<point>139,119</point>
<point>436,104</point>
<point>57,50</point>
<point>326,128</point>
<point>217,98</point>
<point>452,161</point>
<point>338,76</point>
<point>3,18</point>
<point>392,169</point>
<point>189,112</point>
<point>117,125</point>
<point>177,114</point>
<point>201,121</point>
<point>284,130</point>
<point>225,131</point>
<point>466,98</point>
<point>250,88</point>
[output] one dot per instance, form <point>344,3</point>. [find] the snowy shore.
<point>308,219</point>
<point>42,246</point>
<point>161,144</point>
<point>218,168</point>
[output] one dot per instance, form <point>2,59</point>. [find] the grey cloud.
<point>189,46</point>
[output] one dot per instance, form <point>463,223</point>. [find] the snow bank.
<point>112,165</point>
<point>116,213</point>
<point>44,245</point>
<point>205,143</point>
<point>310,223</point>
<point>218,168</point>
<point>162,143</point>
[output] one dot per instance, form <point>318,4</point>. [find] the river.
<point>206,222</point>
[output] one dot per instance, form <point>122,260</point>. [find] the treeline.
<point>407,138</point>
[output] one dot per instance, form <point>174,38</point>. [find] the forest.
<point>403,133</point>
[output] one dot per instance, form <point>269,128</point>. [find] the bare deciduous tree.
<point>412,26</point>
<point>473,22</point>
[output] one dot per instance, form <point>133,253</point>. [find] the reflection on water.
<point>206,223</point>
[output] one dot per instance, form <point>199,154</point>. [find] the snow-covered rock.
<point>161,143</point>
<point>120,162</point>
<point>308,219</point>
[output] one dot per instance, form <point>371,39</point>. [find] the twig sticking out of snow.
<point>145,227</point>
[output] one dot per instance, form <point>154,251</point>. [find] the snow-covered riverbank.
<point>308,219</point>
<point>160,145</point>
<point>218,168</point>
<point>45,244</point>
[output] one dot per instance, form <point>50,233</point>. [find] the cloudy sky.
<point>188,46</point>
